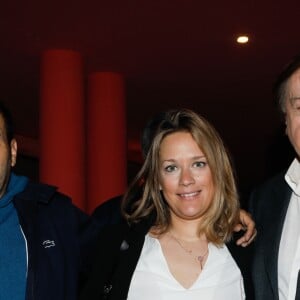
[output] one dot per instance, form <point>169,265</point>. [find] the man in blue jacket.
<point>44,238</point>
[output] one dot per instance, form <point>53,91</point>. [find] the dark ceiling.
<point>172,54</point>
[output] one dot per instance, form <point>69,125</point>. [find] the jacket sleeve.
<point>78,231</point>
<point>99,281</point>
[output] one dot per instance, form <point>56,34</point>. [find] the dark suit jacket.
<point>268,206</point>
<point>109,212</point>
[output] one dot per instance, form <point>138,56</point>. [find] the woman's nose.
<point>186,177</point>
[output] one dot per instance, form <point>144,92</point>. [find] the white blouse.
<point>220,278</point>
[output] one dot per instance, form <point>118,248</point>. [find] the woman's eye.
<point>200,164</point>
<point>170,168</point>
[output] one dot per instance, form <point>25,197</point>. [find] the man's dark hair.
<point>8,122</point>
<point>149,132</point>
<point>279,88</point>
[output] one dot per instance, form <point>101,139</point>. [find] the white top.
<point>289,250</point>
<point>152,279</point>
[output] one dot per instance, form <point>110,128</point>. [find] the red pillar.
<point>106,138</point>
<point>62,123</point>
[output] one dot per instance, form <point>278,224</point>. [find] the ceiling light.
<point>242,39</point>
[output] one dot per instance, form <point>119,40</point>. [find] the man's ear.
<point>285,123</point>
<point>13,152</point>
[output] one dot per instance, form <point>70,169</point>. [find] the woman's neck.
<point>185,229</point>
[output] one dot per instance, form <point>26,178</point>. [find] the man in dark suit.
<point>275,206</point>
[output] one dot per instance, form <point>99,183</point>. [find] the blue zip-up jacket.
<point>59,239</point>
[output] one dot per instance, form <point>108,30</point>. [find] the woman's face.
<point>185,177</point>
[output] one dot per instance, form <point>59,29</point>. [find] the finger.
<point>252,237</point>
<point>250,231</point>
<point>238,227</point>
<point>241,241</point>
<point>245,242</point>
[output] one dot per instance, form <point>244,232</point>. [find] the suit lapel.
<point>297,297</point>
<point>130,250</point>
<point>272,233</point>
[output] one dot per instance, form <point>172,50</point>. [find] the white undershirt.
<point>289,250</point>
<point>152,279</point>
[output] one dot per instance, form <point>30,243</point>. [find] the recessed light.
<point>242,39</point>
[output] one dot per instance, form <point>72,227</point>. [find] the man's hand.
<point>247,224</point>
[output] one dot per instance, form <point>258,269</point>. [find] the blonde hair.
<point>222,215</point>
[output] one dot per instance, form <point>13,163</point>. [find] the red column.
<point>62,123</point>
<point>106,138</point>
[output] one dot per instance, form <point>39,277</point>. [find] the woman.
<point>174,244</point>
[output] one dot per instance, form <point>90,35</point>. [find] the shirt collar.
<point>292,176</point>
